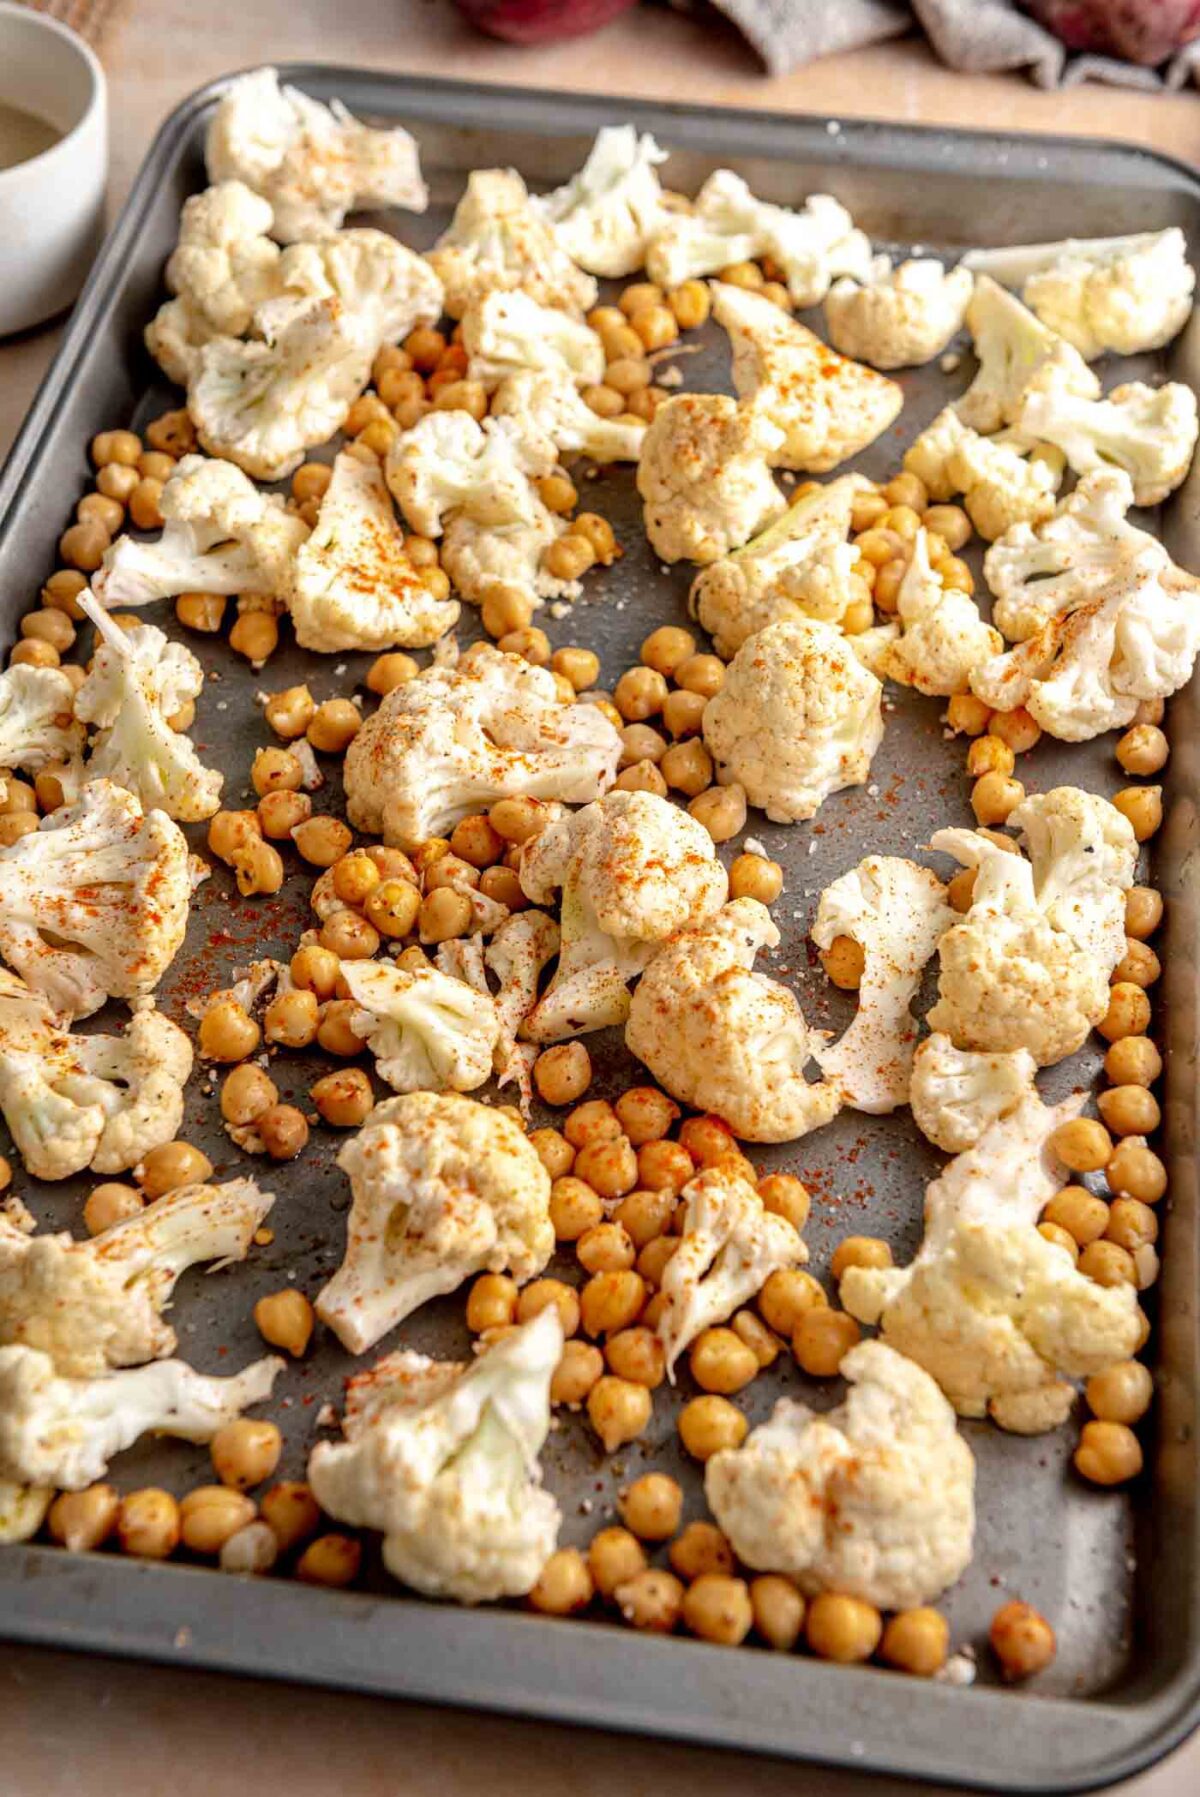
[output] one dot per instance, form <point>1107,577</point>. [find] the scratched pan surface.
<point>1116,1572</point>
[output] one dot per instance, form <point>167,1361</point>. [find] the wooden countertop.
<point>102,1728</point>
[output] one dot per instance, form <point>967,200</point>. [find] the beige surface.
<point>100,1728</point>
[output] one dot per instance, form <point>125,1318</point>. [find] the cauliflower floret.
<point>995,1312</point>
<point>724,1039</point>
<point>798,718</point>
<point>1084,858</point>
<point>1124,294</point>
<point>222,268</point>
<point>607,214</point>
<point>939,638</point>
<point>354,586</point>
<point>704,477</point>
<point>727,224</point>
<point>517,954</point>
<point>874,1499</point>
<point>37,727</point>
<point>442,1457</point>
<point>802,566</point>
<point>955,1094</point>
<point>898,318</point>
<point>500,237</point>
<point>136,683</point>
<point>633,870</point>
<point>896,911</point>
<point>443,1188</point>
<point>64,1432</point>
<point>1001,486</point>
<point>509,333</point>
<point>729,1246</point>
<point>94,904</point>
<point>492,560</point>
<point>87,1101</point>
<point>313,163</point>
<point>1017,356</point>
<point>382,283</point>
<point>546,403</point>
<point>97,1304</point>
<point>454,740</point>
<point>828,408</point>
<point>219,535</point>
<point>1150,432</point>
<point>447,463</point>
<point>428,1033</point>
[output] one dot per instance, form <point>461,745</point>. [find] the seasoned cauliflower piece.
<point>729,1245</point>
<point>898,318</point>
<point>633,870</point>
<point>1150,432</point>
<point>313,163</point>
<point>428,1033</point>
<point>704,477</point>
<point>221,270</point>
<point>1124,294</point>
<point>219,535</point>
<point>443,1188</point>
<point>500,238</point>
<point>37,727</point>
<point>874,1499</point>
<point>94,904</point>
<point>827,407</point>
<point>87,1101</point>
<point>98,1304</point>
<point>64,1432</point>
<point>956,1094</point>
<point>485,561</point>
<point>996,1313</point>
<point>896,911</point>
<point>802,566</point>
<point>454,740</point>
<point>521,948</point>
<point>546,403</point>
<point>938,639</point>
<point>727,1040</point>
<point>442,1457</point>
<point>1017,356</point>
<point>449,464</point>
<point>389,289</point>
<point>1084,858</point>
<point>507,333</point>
<point>606,216</point>
<point>798,718</point>
<point>354,586</point>
<point>1001,486</point>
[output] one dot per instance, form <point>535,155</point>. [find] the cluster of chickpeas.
<point>884,523</point>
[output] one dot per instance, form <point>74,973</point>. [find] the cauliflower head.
<point>1001,486</point>
<point>874,1499</point>
<point>507,332</point>
<point>704,478</point>
<point>442,1457</point>
<point>546,403</point>
<point>1084,855</point>
<point>724,1039</point>
<point>798,718</point>
<point>37,723</point>
<point>938,639</point>
<point>443,1188</point>
<point>428,1033</point>
<point>501,238</point>
<point>1150,432</point>
<point>606,216</point>
<point>485,561</point>
<point>454,740</point>
<point>447,464</point>
<point>898,317</point>
<point>956,1094</point>
<point>1017,356</point>
<point>517,954</point>
<point>388,288</point>
<point>221,270</point>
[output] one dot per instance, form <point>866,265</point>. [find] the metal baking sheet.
<point>1117,1572</point>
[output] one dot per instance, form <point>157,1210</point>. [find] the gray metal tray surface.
<point>1117,1572</point>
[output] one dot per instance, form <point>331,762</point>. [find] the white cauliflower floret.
<point>97,1304</point>
<point>517,954</point>
<point>633,870</point>
<point>547,403</point>
<point>827,407</point>
<point>898,318</point>
<point>443,1188</point>
<point>37,727</point>
<point>938,638</point>
<point>1017,356</point>
<point>136,683</point>
<point>1084,858</point>
<point>442,1457</point>
<point>500,237</point>
<point>354,586</point>
<point>729,1245</point>
<point>87,1101</point>
<point>1002,487</point>
<point>704,477</point>
<point>313,163</point>
<point>896,912</point>
<point>219,535</point>
<point>727,224</point>
<point>874,1499</point>
<point>1124,294</point>
<point>798,718</point>
<point>995,1312</point>
<point>800,566</point>
<point>956,1094</point>
<point>606,216</point>
<point>1150,432</point>
<point>727,1040</point>
<point>454,740</point>
<point>485,561</point>
<point>94,904</point>
<point>449,464</point>
<point>428,1033</point>
<point>388,289</point>
<point>507,333</point>
<point>222,268</point>
<point>64,1432</point>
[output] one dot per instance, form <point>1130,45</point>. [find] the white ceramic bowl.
<point>51,207</point>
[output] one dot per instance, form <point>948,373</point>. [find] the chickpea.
<point>721,1363</point>
<point>989,755</point>
<point>209,1515</point>
<point>1143,750</point>
<point>83,545</point>
<point>664,1166</point>
<point>1108,1453</point>
<point>994,797</point>
<point>605,1248</point>
<point>531,645</point>
<point>245,1452</point>
<point>290,712</point>
<point>148,1524</point>
<point>1022,1640</point>
<point>683,713</point>
<point>599,533</point>
<point>505,611</point>
<point>718,1608</point>
<point>255,635</point>
<point>1139,965</point>
<point>173,1165</point>
<point>389,671</point>
<point>334,725</point>
<point>116,446</point>
<point>687,767</point>
<point>643,1217</point>
<point>51,626</point>
<point>82,1521</point>
<point>250,1550</point>
<point>636,1354</point>
<point>638,295</point>
<point>286,1320</point>
<point>1141,805</point>
<point>643,776</point>
<point>1053,1232</point>
<point>109,1204</point>
<point>651,1600</point>
<point>657,326</point>
<point>564,1584</point>
<point>558,1157</point>
<point>343,1099</point>
<point>580,1367</point>
<point>331,1560</point>
<point>645,1114</point>
<point>1082,1145</point>
<point>860,1251</point>
<point>750,1329</point>
<point>821,1338</point>
<point>916,1641</point>
<point>1121,1394</point>
<point>322,840</point>
<point>778,1611</point>
<point>611,1301</point>
<point>1128,1012</point>
<point>580,666</point>
<point>703,674</point>
<point>1135,1171</point>
<point>640,693</point>
<point>291,1512</point>
<point>562,1074</point>
<point>1143,912</point>
<point>15,825</point>
<point>722,811</point>
<point>279,813</point>
<point>1133,1061</point>
<point>1082,1215</point>
<point>968,715</point>
<point>650,1508</point>
<point>315,970</point>
<point>291,1018</point>
<point>1130,1110</point>
<point>246,1094</point>
<point>173,433</point>
<point>227,1032</point>
<point>690,303</point>
<point>5,1174</point>
<point>558,493</point>
<point>652,1263</point>
<point>614,1557</point>
<point>284,1131</point>
<point>568,556</point>
<point>1131,1225</point>
<point>541,1294</point>
<point>755,876</point>
<point>618,1410</point>
<point>1107,1264</point>
<point>840,1628</point>
<point>844,962</point>
<point>609,1167</point>
<point>256,865</point>
<point>518,820</point>
<point>349,936</point>
<point>461,396</point>
<point>785,1196</point>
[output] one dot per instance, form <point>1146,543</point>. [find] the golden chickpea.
<point>787,1297</point>
<point>334,725</point>
<point>575,1208</point>
<point>1133,1061</point>
<point>988,755</point>
<point>605,1248</point>
<point>558,1157</point>
<point>765,1346</point>
<point>639,743</point>
<point>389,671</point>
<point>82,1521</point>
<point>557,493</point>
<point>778,1611</point>
<point>425,348</point>
<point>32,652</point>
<point>754,876</point>
<point>291,1513</point>
<point>15,825</point>
<point>290,712</point>
<point>994,797</point>
<point>580,1367</point>
<point>702,674</point>
<point>718,1608</point>
<point>286,1320</point>
<point>542,1294</point>
<point>664,1166</point>
<point>638,296</point>
<point>614,1557</point>
<point>246,1094</point>
<point>83,545</point>
<point>349,936</point>
<point>707,1139</point>
<point>1108,1453</point>
<point>1080,1213</point>
<point>531,645</point>
<point>657,326</point>
<point>1131,1225</point>
<point>1142,806</point>
<point>1139,965</point>
<point>311,481</point>
<point>643,776</point>
<point>255,634</point>
<point>315,970</point>
<point>291,1018</point>
<point>344,1099</point>
<point>355,877</point>
<point>667,649</point>
<point>330,1560</point>
<point>721,1363</point>
<point>644,1216</point>
<point>968,715</point>
<point>580,666</point>
<point>279,813</point>
<point>1120,1394</point>
<point>1082,1145</point>
<point>1135,1171</point>
<point>636,1354</point>
<point>562,1074</point>
<point>145,509</point>
<point>276,770</point>
<point>742,274</point>
<point>683,713</point>
<point>721,810</point>
<point>844,961</point>
<point>1016,729</point>
<point>250,1551</point>
<point>110,1204</point>
<point>1053,1232</point>
<point>284,1131</point>
<point>393,907</point>
<point>860,1251</point>
<point>505,611</point>
<point>564,1584</point>
<point>1143,912</point>
<point>916,1641</point>
<point>5,1174</point>
<point>1130,1110</point>
<point>148,1524</point>
<point>1022,1640</point>
<point>821,1339</point>
<point>256,865</point>
<point>173,433</point>
<point>568,556</point>
<point>618,1410</point>
<point>227,1032</point>
<point>53,627</point>
<point>640,694</point>
<point>687,767</point>
<point>645,1114</point>
<point>610,1167</point>
<point>611,1301</point>
<point>1143,750</point>
<point>651,1507</point>
<point>245,1452</point>
<point>651,1264</point>
<point>786,1196</point>
<point>840,1628</point>
<point>322,840</point>
<point>116,446</point>
<point>1128,1012</point>
<point>173,1165</point>
<point>61,592</point>
<point>651,1600</point>
<point>209,1515</point>
<point>690,302</point>
<point>1107,1264</point>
